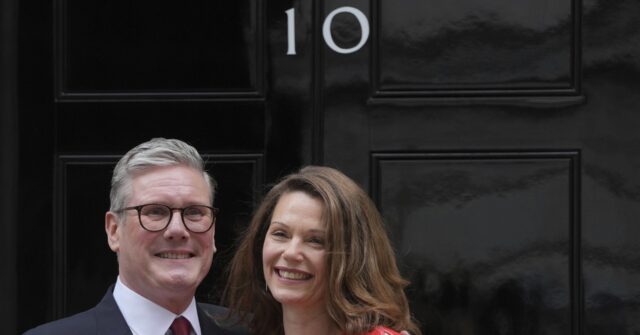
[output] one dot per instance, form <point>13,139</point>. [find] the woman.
<point>316,259</point>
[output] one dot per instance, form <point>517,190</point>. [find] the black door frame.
<point>9,163</point>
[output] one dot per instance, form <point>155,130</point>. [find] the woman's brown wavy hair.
<point>365,288</point>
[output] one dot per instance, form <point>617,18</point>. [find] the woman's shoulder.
<point>382,330</point>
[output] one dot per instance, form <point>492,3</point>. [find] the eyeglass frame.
<point>214,214</point>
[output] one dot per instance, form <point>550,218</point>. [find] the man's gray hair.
<point>153,153</point>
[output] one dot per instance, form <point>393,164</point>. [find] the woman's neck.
<point>308,321</point>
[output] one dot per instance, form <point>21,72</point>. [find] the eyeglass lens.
<point>156,217</point>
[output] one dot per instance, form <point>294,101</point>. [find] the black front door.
<point>499,139</point>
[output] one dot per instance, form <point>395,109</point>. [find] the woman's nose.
<point>293,250</point>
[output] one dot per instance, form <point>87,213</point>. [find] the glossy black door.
<point>499,139</point>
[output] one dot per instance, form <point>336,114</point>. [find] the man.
<point>161,226</point>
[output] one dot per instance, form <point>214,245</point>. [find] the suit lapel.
<point>109,319</point>
<point>207,323</point>
<point>210,317</point>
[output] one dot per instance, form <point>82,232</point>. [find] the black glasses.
<point>156,217</point>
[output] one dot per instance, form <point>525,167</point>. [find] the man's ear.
<point>112,228</point>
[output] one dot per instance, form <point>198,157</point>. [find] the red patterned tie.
<point>180,326</point>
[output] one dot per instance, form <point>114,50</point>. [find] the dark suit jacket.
<point>106,319</point>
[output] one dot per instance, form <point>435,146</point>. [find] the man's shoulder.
<point>104,318</point>
<point>217,317</point>
<point>213,310</point>
<point>81,323</point>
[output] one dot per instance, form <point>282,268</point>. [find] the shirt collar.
<point>143,316</point>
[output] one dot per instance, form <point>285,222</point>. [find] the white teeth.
<point>173,255</point>
<point>293,275</point>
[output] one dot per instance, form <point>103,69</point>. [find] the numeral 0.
<point>326,30</point>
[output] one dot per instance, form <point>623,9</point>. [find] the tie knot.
<point>180,326</point>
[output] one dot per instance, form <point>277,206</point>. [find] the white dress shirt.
<point>145,317</point>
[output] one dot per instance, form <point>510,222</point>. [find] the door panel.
<point>499,140</point>
<point>162,50</point>
<point>462,47</point>
<point>489,241</point>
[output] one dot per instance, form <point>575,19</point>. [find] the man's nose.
<point>176,228</point>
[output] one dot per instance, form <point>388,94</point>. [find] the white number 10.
<point>326,30</point>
